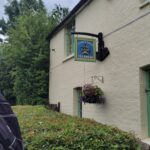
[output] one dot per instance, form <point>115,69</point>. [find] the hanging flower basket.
<point>92,94</point>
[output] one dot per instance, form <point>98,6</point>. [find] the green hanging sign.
<point>85,49</point>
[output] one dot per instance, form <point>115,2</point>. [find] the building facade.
<point>124,76</point>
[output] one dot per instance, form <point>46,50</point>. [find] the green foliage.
<point>91,90</point>
<point>12,10</point>
<point>31,56</point>
<point>49,130</point>
<point>16,8</point>
<point>32,6</point>
<point>6,80</point>
<point>59,13</point>
<point>98,91</point>
<point>25,60</point>
<point>3,26</point>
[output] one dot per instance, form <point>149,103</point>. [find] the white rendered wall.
<point>123,80</point>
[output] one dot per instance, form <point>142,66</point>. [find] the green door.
<point>79,102</point>
<point>148,98</point>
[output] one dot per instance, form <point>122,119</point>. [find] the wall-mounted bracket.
<point>98,78</point>
<point>103,51</point>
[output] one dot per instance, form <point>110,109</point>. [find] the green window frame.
<point>69,40</point>
<point>147,77</point>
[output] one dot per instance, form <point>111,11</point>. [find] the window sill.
<point>68,58</point>
<point>145,4</point>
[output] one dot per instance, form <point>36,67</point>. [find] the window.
<point>69,40</point>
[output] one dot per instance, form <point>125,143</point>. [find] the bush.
<point>43,129</point>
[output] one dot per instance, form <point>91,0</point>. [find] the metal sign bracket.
<point>103,51</point>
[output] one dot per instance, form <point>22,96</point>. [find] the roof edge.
<point>70,15</point>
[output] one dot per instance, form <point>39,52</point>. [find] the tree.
<point>27,52</point>
<point>3,26</point>
<point>31,5</point>
<point>12,10</point>
<point>59,13</point>
<point>16,8</point>
<point>30,54</point>
<point>6,80</point>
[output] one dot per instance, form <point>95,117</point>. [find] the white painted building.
<point>125,25</point>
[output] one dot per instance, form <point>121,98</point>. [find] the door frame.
<point>77,103</point>
<point>147,90</point>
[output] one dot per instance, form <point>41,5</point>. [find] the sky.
<point>48,3</point>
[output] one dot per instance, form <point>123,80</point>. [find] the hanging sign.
<point>85,49</point>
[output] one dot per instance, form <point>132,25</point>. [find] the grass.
<point>43,129</point>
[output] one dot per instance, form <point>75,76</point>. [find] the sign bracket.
<point>103,51</point>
